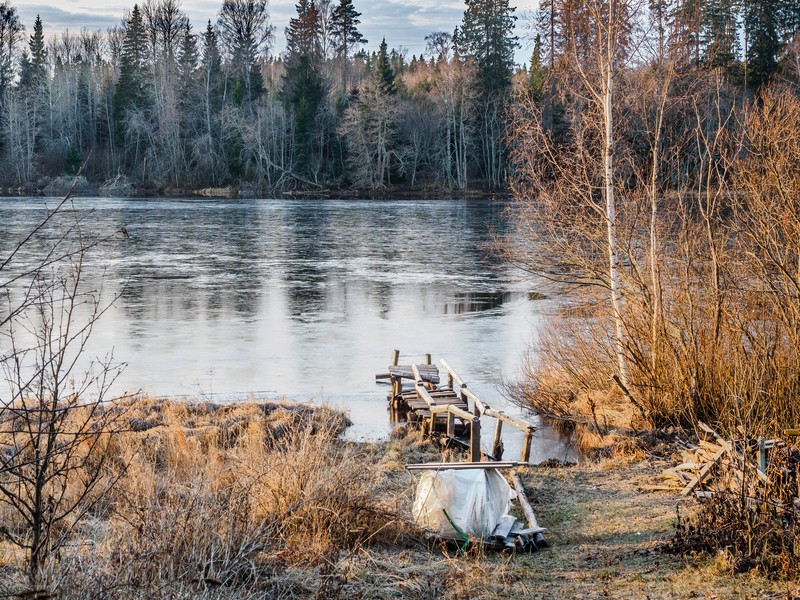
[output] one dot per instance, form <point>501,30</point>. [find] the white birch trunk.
<point>611,210</point>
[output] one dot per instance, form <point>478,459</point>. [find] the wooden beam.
<point>442,466</point>
<point>452,373</point>
<point>700,477</point>
<point>462,414</point>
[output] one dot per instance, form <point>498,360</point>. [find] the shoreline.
<point>62,185</point>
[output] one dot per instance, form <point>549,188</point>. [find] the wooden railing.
<point>480,408</point>
<point>472,419</point>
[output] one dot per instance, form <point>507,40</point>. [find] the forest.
<point>156,103</point>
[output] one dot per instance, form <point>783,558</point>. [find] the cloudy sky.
<point>404,23</point>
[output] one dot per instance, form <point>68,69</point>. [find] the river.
<point>226,299</point>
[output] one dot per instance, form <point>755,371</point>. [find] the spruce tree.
<point>720,33</point>
<point>130,92</point>
<point>38,55</point>
<point>764,42</point>
<point>244,31</point>
<point>486,35</point>
<point>384,72</point>
<point>303,87</point>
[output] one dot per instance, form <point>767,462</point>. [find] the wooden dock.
<point>447,408</point>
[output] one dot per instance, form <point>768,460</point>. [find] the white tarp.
<point>474,499</point>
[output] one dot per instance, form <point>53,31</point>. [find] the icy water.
<point>221,300</point>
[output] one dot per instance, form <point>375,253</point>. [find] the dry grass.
<point>267,501</point>
<point>225,498</point>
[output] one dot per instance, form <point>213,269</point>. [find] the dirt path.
<point>607,541</point>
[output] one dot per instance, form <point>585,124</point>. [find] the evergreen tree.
<point>187,57</point>
<point>131,92</point>
<point>686,43</point>
<point>720,33</point>
<point>486,35</point>
<point>303,87</point>
<point>534,84</point>
<point>10,34</point>
<point>764,41</point>
<point>38,57</point>
<point>244,31</point>
<point>345,34</point>
<point>384,72</point>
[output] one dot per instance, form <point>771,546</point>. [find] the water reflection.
<point>299,298</point>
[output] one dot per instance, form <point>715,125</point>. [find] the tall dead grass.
<point>220,501</point>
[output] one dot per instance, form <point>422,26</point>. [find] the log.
<point>538,538</point>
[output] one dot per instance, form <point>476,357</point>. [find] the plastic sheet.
<point>454,503</point>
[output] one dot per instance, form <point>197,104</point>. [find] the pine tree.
<point>486,35</point>
<point>345,34</point>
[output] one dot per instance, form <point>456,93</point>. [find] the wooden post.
<point>396,358</point>
<point>475,440</point>
<point>428,359</point>
<point>463,393</point>
<point>497,445</point>
<point>451,425</point>
<point>450,381</point>
<point>525,455</point>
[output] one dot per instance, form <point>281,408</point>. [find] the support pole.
<point>525,455</point>
<point>475,440</point>
<point>497,444</point>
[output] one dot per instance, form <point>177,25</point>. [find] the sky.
<point>404,23</point>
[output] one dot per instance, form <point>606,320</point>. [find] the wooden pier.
<point>448,408</point>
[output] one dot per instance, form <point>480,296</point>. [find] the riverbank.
<point>267,500</point>
<point>121,187</point>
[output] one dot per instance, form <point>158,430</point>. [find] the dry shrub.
<point>220,499</point>
<point>752,530</point>
<point>711,308</point>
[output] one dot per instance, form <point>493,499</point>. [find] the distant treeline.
<point>154,103</point>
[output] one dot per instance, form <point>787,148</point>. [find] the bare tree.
<point>56,423</point>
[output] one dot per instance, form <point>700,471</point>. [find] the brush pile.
<point>749,515</point>
<point>716,464</point>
